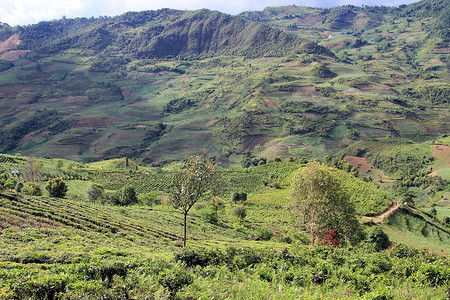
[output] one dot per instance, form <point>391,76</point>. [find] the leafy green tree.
<point>126,196</point>
<point>56,187</point>
<point>377,238</point>
<point>10,184</point>
<point>193,180</point>
<point>240,212</point>
<point>406,195</point>
<point>31,189</point>
<point>239,197</point>
<point>59,164</point>
<point>3,178</point>
<point>94,192</point>
<point>320,204</point>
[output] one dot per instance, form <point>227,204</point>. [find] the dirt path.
<point>380,217</point>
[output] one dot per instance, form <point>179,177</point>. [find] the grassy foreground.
<point>74,249</point>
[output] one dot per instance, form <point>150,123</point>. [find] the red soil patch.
<point>351,92</point>
<point>395,79</point>
<point>273,148</point>
<point>311,19</point>
<point>442,153</point>
<point>442,50</point>
<point>359,162</point>
<point>270,104</point>
<point>306,89</point>
<point>253,141</point>
<point>126,94</point>
<point>385,180</point>
<point>300,68</point>
<point>212,122</point>
<point>362,86</point>
<point>32,136</point>
<point>13,55</point>
<point>89,123</point>
<point>11,43</point>
<point>336,47</point>
<point>310,115</point>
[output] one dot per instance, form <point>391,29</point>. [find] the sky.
<point>24,12</point>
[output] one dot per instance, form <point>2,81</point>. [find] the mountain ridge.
<point>160,85</point>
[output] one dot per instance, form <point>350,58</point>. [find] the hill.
<point>160,85</point>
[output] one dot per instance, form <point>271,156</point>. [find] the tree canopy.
<point>197,177</point>
<point>320,204</point>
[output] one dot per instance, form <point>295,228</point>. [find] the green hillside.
<point>73,248</point>
<point>161,85</point>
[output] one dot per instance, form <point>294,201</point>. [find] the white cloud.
<point>21,12</point>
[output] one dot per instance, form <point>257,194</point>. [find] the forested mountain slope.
<point>161,85</point>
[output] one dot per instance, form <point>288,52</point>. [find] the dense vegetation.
<point>118,243</point>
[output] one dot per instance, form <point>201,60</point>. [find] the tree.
<point>126,196</point>
<point>192,181</point>
<point>56,187</point>
<point>94,192</point>
<point>10,184</point>
<point>19,187</point>
<point>406,195</point>
<point>239,197</point>
<point>377,238</point>
<point>59,164</point>
<point>319,202</point>
<point>240,212</point>
<point>32,189</point>
<point>32,171</point>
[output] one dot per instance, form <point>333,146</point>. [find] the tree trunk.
<point>184,239</point>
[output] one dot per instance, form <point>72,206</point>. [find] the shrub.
<point>200,257</point>
<point>240,212</point>
<point>31,189</point>
<point>150,198</point>
<point>239,197</point>
<point>377,238</point>
<point>126,196</point>
<point>19,187</point>
<point>264,233</point>
<point>10,184</point>
<point>330,238</point>
<point>56,187</point>
<point>322,71</point>
<point>94,192</point>
<point>174,279</point>
<point>210,215</point>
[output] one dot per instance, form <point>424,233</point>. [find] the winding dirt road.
<point>380,217</point>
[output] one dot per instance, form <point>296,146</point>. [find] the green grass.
<point>418,230</point>
<point>444,173</point>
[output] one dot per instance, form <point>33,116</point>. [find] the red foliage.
<point>330,238</point>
